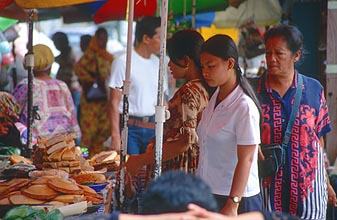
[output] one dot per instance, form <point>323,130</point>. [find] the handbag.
<point>95,91</point>
<point>274,153</point>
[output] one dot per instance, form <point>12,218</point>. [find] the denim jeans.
<point>138,139</point>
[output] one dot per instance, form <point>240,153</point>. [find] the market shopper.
<point>66,73</point>
<point>185,108</point>
<point>229,130</point>
<point>300,186</point>
<point>94,64</point>
<point>143,88</point>
<point>13,134</point>
<point>53,106</point>
<point>85,41</point>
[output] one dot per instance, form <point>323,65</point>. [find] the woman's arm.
<point>170,150</point>
<point>115,97</point>
<point>245,155</point>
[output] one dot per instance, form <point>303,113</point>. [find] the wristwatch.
<point>235,199</point>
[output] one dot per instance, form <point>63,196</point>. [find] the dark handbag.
<point>95,91</point>
<point>274,158</point>
<point>274,153</point>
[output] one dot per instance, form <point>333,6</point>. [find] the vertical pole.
<point>160,108</point>
<point>29,60</point>
<point>194,5</point>
<point>126,90</point>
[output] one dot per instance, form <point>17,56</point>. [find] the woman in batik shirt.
<point>180,147</point>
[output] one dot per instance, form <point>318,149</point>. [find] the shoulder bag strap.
<point>294,111</point>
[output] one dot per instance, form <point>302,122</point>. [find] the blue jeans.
<point>247,204</point>
<point>77,99</point>
<point>138,139</point>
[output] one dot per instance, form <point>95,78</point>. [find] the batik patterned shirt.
<point>185,109</point>
<point>299,188</point>
<point>55,107</point>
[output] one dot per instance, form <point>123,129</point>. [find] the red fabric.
<point>117,9</point>
<point>5,3</point>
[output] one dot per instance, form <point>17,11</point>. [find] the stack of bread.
<point>60,152</point>
<point>46,190</point>
<point>105,159</point>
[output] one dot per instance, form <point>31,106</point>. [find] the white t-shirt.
<point>143,83</point>
<point>235,121</point>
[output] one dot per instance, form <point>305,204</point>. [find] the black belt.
<point>143,119</point>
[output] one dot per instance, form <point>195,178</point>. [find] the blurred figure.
<point>66,72</point>
<point>174,190</point>
<point>13,134</point>
<point>54,111</point>
<point>94,64</point>
<point>85,41</point>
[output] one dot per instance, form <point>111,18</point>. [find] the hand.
<point>133,164</point>
<point>204,214</point>
<point>130,190</point>
<point>115,144</point>
<point>230,209</point>
<point>332,200</point>
<point>260,154</point>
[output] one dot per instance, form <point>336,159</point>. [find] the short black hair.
<point>174,190</point>
<point>147,26</point>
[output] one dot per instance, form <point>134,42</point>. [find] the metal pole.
<point>160,108</point>
<point>29,60</point>
<point>126,91</point>
<point>194,5</point>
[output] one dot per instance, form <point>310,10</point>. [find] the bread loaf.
<point>89,178</point>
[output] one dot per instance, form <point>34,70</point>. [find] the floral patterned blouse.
<point>185,108</point>
<point>55,107</point>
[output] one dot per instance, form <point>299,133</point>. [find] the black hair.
<point>85,39</point>
<point>101,30</point>
<point>61,42</point>
<point>224,47</point>
<point>187,43</point>
<point>290,34</point>
<point>174,190</point>
<point>146,26</point>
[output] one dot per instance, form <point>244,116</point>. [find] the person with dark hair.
<point>185,108</point>
<point>93,68</point>
<point>143,88</point>
<point>229,131</point>
<point>300,185</point>
<point>66,72</point>
<point>85,41</point>
<point>180,142</point>
<point>174,190</point>
<point>13,134</point>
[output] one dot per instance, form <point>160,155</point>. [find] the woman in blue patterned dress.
<point>300,186</point>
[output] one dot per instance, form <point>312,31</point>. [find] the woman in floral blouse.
<point>180,142</point>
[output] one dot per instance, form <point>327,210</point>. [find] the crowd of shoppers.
<point>218,120</point>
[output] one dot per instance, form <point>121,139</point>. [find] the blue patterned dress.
<point>300,187</point>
